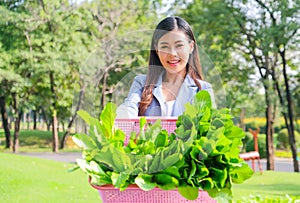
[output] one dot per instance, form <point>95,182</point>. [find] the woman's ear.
<point>192,44</point>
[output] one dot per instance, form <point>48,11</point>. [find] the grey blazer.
<point>186,94</point>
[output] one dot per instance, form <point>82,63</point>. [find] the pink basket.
<point>133,124</point>
<point>134,194</point>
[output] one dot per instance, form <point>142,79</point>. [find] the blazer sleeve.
<point>130,106</point>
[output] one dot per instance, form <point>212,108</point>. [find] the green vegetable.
<point>202,154</point>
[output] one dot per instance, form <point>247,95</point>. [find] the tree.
<point>285,31</point>
<point>235,28</point>
<point>116,29</point>
<point>14,75</point>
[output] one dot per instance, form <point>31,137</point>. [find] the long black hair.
<point>155,67</point>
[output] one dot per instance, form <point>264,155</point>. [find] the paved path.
<point>281,164</point>
<point>61,156</point>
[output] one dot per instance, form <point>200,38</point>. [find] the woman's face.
<point>173,50</point>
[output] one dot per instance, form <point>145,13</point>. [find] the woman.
<point>174,74</point>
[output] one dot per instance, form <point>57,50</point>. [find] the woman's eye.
<point>163,47</point>
<point>179,45</point>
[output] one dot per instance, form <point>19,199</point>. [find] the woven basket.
<point>133,194</point>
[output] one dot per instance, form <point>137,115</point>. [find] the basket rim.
<point>129,187</point>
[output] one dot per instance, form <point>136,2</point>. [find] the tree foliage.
<point>251,41</point>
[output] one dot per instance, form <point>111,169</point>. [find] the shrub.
<point>283,139</point>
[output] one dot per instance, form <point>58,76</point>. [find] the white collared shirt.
<point>167,108</point>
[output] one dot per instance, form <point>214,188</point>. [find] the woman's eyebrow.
<point>163,43</point>
<point>178,41</point>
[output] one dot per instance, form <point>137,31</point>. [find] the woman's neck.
<point>171,85</point>
<point>174,79</point>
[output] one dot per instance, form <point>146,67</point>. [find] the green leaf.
<point>144,181</point>
<point>207,183</point>
<point>85,116</point>
<point>161,139</point>
<point>221,195</point>
<point>171,159</point>
<point>219,177</point>
<point>240,174</point>
<point>84,141</point>
<point>166,182</point>
<point>202,100</point>
<point>190,110</point>
<point>156,163</point>
<point>172,171</point>
<point>235,132</point>
<point>202,171</point>
<point>107,117</point>
<point>190,193</point>
<point>119,179</point>
<point>100,179</point>
<point>95,129</point>
<point>192,171</point>
<point>113,157</point>
<point>153,130</point>
<point>143,122</point>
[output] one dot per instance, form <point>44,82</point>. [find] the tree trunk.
<point>269,132</point>
<point>54,116</point>
<point>290,127</point>
<point>18,115</point>
<point>291,140</point>
<point>17,133</point>
<point>5,122</point>
<point>34,119</point>
<point>80,100</point>
<point>55,140</point>
<point>28,120</point>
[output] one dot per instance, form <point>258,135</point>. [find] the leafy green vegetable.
<point>202,153</point>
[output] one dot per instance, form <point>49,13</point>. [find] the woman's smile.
<point>174,62</point>
<point>174,50</point>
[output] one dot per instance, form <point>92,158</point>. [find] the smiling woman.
<point>174,74</point>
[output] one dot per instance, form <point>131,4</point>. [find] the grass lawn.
<point>269,185</point>
<point>27,179</point>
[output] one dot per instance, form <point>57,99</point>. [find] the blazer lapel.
<point>157,92</point>
<point>186,94</point>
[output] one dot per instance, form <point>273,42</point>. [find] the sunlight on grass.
<point>27,179</point>
<point>49,181</point>
<point>270,183</point>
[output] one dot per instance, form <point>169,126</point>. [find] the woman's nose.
<point>173,52</point>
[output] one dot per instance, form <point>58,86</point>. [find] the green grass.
<point>28,179</point>
<point>270,184</point>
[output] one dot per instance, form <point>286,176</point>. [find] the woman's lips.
<point>174,62</point>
